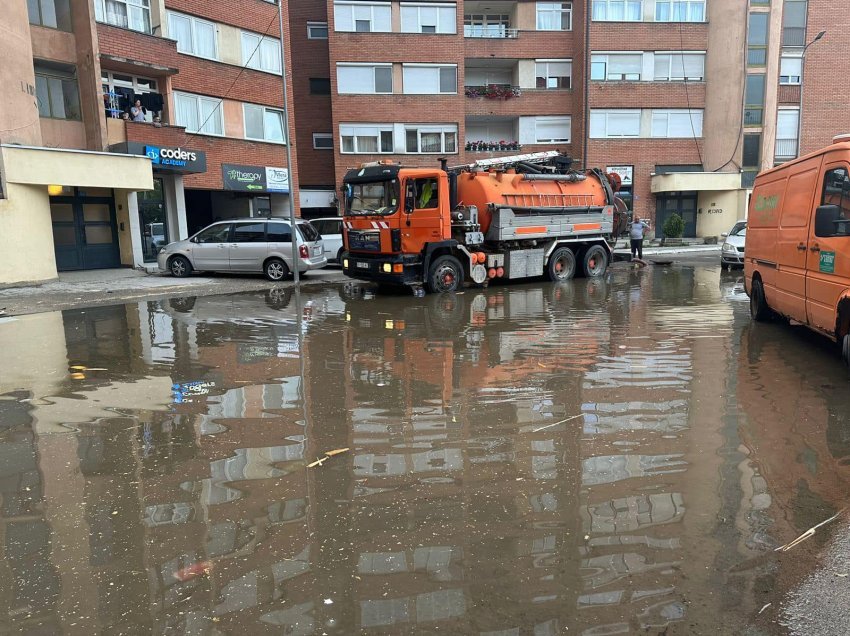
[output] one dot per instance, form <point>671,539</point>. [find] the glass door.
<point>153,220</point>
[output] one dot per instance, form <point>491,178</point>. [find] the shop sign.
<point>254,178</point>
<point>178,159</point>
<point>625,173</point>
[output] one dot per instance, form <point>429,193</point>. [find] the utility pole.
<point>802,87</point>
<point>287,135</point>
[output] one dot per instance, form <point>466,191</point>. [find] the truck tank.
<point>544,193</point>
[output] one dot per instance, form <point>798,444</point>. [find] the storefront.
<point>709,202</point>
<point>158,216</point>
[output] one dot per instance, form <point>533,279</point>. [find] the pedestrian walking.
<point>637,230</point>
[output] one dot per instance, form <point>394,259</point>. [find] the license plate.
<point>362,265</point>
<point>317,251</point>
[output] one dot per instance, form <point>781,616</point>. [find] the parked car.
<point>732,254</point>
<point>245,245</point>
<point>155,233</point>
<point>330,228</point>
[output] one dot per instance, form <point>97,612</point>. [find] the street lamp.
<point>802,85</point>
<point>295,276</point>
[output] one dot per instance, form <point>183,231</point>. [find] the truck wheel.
<point>595,261</point>
<point>759,311</point>
<point>562,265</point>
<point>445,275</point>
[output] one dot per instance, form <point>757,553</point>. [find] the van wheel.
<point>275,269</point>
<point>595,261</point>
<point>759,311</point>
<point>340,255</point>
<point>445,275</point>
<point>562,265</point>
<point>179,266</point>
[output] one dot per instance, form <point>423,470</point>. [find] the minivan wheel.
<point>759,311</point>
<point>275,269</point>
<point>179,266</point>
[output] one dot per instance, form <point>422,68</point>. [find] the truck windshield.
<point>371,198</point>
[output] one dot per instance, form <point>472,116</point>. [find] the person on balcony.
<point>137,111</point>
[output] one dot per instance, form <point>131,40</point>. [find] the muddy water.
<point>606,457</point>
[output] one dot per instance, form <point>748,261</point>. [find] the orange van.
<point>797,258</point>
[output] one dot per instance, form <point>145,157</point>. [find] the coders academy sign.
<point>254,178</point>
<point>177,159</point>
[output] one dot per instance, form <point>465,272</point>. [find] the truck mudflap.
<point>393,269</point>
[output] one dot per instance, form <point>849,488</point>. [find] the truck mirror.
<point>409,198</point>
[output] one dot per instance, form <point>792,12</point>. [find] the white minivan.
<point>245,245</point>
<point>330,229</point>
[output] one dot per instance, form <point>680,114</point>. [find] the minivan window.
<point>308,232</point>
<point>279,233</point>
<point>249,233</point>
<point>214,234</point>
<point>836,191</point>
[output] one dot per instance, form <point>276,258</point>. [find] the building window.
<point>56,92</point>
<point>553,73</point>
<point>261,52</point>
<point>263,123</point>
<point>552,130</point>
<point>486,25</point>
<point>794,22</point>
<point>199,114</point>
<point>55,14</point>
<point>609,67</point>
<point>127,14</point>
<point>361,17</point>
<point>680,11</point>
<point>607,124</point>
<point>366,138</point>
<point>757,40</point>
<point>787,122</point>
<point>429,80</point>
<point>554,16</point>
<point>428,18</point>
<point>836,191</point>
<point>752,151</point>
<point>364,79</point>
<point>790,69</point>
<point>320,86</point>
<point>618,10</point>
<point>194,36</point>
<point>323,141</point>
<point>430,139</point>
<point>678,123</point>
<point>679,66</point>
<point>117,85</point>
<point>754,100</point>
<point>317,30</point>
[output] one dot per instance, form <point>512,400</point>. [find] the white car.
<point>732,254</point>
<point>330,229</point>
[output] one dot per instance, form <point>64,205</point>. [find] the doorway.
<point>153,220</point>
<point>85,234</point>
<point>682,203</point>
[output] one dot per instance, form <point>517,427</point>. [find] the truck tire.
<point>445,275</point>
<point>759,310</point>
<point>595,261</point>
<point>562,265</point>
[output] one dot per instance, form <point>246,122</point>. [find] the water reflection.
<point>605,457</point>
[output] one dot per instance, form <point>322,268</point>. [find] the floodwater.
<point>600,457</point>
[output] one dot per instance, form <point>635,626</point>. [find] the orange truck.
<point>514,217</point>
<point>797,258</point>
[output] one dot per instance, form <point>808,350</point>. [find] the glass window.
<point>752,150</point>
<point>370,198</point>
<point>680,11</point>
<point>279,233</point>
<point>754,100</point>
<point>364,79</point>
<point>431,139</point>
<point>679,66</point>
<point>317,30</point>
<point>487,25</point>
<point>57,93</point>
<point>320,86</point>
<point>263,123</point>
<point>676,123</point>
<point>794,22</point>
<point>323,141</point>
<point>261,52</point>
<point>429,80</point>
<point>214,234</point>
<point>614,123</point>
<point>618,10</point>
<point>199,114</point>
<point>362,17</point>
<point>428,18</point>
<point>127,14</point>
<point>425,193</point>
<point>307,232</point>
<point>554,16</point>
<point>194,36</point>
<point>787,122</point>
<point>249,233</point>
<point>55,14</point>
<point>790,69</point>
<point>836,191</point>
<point>366,138</point>
<point>616,67</point>
<point>757,40</point>
<point>550,130</point>
<point>553,73</point>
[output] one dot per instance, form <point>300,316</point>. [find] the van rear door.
<point>828,259</point>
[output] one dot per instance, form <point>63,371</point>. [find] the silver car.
<point>245,245</point>
<point>732,254</point>
<point>330,228</point>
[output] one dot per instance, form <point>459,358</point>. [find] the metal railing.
<point>489,31</point>
<point>753,116</point>
<point>493,91</point>
<point>786,148</point>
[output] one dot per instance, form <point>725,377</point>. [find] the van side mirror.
<point>724,235</point>
<point>825,218</point>
<point>409,198</point>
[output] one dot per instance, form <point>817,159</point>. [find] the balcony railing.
<point>493,91</point>
<point>786,148</point>
<point>489,31</point>
<point>753,116</point>
<point>492,146</point>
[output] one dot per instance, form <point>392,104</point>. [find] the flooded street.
<point>598,457</point>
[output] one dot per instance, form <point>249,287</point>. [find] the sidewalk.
<point>111,286</point>
<point>673,249</point>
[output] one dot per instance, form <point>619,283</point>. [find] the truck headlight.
<point>345,263</point>
<point>387,268</point>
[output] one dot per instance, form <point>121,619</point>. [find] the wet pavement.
<point>600,457</point>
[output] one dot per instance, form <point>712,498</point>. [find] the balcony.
<point>492,134</point>
<point>785,149</point>
<point>492,91</point>
<point>489,31</point>
<point>490,20</point>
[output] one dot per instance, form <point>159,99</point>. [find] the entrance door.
<point>153,220</point>
<point>85,235</point>
<point>682,203</point>
<point>211,250</point>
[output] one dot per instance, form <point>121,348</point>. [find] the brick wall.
<point>139,47</point>
<point>647,94</point>
<point>648,36</point>
<point>312,112</point>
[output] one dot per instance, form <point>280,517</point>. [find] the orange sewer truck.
<point>513,217</point>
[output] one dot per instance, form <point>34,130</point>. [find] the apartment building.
<point>212,132</point>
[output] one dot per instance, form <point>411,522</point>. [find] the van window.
<point>214,234</point>
<point>308,232</point>
<point>836,191</point>
<point>249,233</point>
<point>279,233</point>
